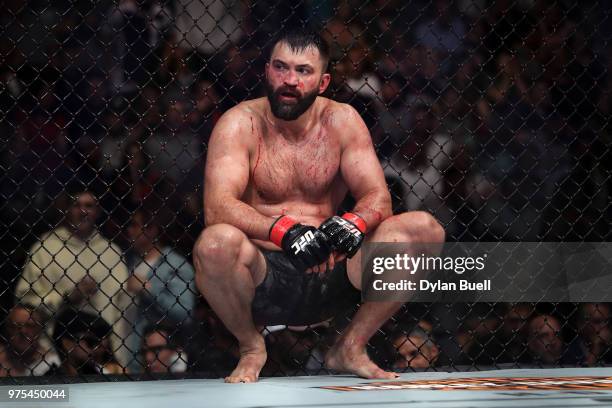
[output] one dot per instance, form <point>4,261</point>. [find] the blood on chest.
<point>282,172</point>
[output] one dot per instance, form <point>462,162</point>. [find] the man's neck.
<point>292,130</point>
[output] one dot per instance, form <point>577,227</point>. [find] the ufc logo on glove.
<point>350,227</point>
<point>305,244</point>
<point>302,242</point>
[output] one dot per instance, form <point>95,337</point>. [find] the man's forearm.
<point>241,215</point>
<point>374,208</point>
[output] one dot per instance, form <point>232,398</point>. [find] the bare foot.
<point>252,360</point>
<point>355,360</point>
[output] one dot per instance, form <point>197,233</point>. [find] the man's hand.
<point>345,234</point>
<point>306,246</point>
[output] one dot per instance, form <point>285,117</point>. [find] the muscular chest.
<point>281,170</point>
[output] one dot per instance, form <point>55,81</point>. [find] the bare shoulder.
<point>241,116</point>
<point>344,119</point>
<point>238,125</point>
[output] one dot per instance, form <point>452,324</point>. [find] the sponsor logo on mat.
<point>487,384</point>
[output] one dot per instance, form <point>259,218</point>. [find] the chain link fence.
<point>492,116</point>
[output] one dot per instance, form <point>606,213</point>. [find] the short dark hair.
<point>300,39</point>
<point>75,188</point>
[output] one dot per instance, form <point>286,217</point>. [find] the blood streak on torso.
<point>259,143</point>
<point>289,175</point>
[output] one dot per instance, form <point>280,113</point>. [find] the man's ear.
<point>324,83</point>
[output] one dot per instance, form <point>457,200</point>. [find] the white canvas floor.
<point>305,392</point>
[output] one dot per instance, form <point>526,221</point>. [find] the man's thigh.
<point>224,250</point>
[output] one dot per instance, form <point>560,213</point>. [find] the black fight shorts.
<point>290,296</point>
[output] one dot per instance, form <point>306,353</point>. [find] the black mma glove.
<point>305,245</point>
<point>345,234</point>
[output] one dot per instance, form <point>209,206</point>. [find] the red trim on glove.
<point>280,227</point>
<point>357,220</point>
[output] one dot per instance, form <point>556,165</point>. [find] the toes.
<point>391,376</point>
<point>386,375</point>
<point>240,379</point>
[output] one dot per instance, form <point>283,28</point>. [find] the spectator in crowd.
<point>514,333</point>
<point>476,339</point>
<point>161,278</point>
<point>593,343</point>
<point>161,352</point>
<point>82,340</point>
<point>27,350</point>
<point>75,263</point>
<point>544,339</point>
<point>415,349</point>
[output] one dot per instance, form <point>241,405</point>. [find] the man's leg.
<point>349,352</point>
<point>228,269</point>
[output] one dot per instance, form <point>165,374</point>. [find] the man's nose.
<point>291,78</point>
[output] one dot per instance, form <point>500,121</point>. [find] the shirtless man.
<point>272,252</point>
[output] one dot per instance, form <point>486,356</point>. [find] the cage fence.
<point>492,116</point>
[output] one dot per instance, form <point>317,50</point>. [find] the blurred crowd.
<point>493,116</point>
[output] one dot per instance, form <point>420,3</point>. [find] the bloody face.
<point>293,80</point>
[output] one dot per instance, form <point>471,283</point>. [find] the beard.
<point>289,111</point>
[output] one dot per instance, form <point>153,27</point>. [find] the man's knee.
<point>425,227</point>
<point>218,245</point>
<point>417,226</point>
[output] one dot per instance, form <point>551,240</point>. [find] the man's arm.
<point>361,169</point>
<point>227,175</point>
